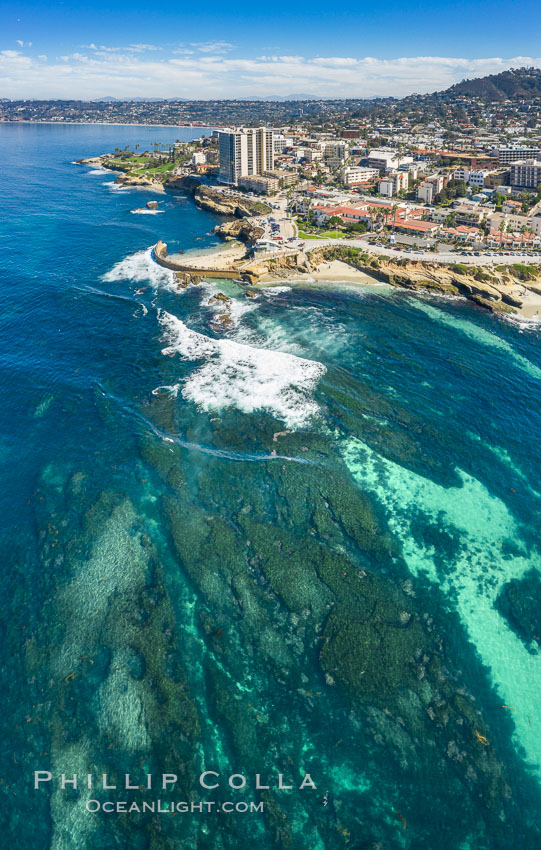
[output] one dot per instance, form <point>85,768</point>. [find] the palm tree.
<point>394,209</point>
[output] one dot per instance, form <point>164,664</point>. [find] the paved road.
<point>429,256</point>
<point>432,256</point>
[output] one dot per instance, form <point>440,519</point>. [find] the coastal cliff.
<point>501,289</point>
<point>216,201</point>
<point>242,230</point>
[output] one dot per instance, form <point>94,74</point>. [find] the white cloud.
<point>130,48</point>
<point>204,70</point>
<point>212,46</point>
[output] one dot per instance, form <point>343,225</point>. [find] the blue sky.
<point>129,49</point>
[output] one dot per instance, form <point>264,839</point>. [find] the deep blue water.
<point>306,544</point>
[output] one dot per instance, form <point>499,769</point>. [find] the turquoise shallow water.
<point>306,545</point>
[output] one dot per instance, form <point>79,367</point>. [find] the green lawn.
<point>131,160</point>
<point>160,169</point>
<point>322,234</point>
<point>333,234</point>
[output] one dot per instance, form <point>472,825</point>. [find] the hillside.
<point>514,84</point>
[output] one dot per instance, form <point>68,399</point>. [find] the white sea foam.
<point>307,328</point>
<point>139,268</point>
<point>269,291</point>
<point>241,376</point>
<point>143,211</point>
<point>473,578</point>
<point>98,171</point>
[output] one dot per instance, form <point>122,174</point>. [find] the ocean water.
<point>306,544</point>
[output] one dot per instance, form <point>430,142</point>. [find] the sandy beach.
<point>337,270</point>
<point>531,306</point>
<point>332,272</point>
<point>221,258</point>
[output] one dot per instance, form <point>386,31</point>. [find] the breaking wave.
<point>244,377</point>
<point>140,267</point>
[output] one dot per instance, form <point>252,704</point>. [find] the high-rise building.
<point>245,151</point>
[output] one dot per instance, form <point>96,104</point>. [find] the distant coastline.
<point>116,124</point>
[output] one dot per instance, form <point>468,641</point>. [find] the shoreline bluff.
<point>511,290</point>
<point>501,290</point>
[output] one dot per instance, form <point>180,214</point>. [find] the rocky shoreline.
<point>505,289</point>
<point>512,290</point>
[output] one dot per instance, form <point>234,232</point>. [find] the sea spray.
<point>140,267</point>
<point>241,376</point>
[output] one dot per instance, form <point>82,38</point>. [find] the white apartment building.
<point>513,153</point>
<point>426,192</point>
<point>386,187</point>
<point>393,184</point>
<point>281,142</point>
<point>355,174</point>
<point>245,151</point>
<point>385,159</point>
<point>199,158</point>
<point>477,178</point>
<point>526,173</point>
<point>461,174</point>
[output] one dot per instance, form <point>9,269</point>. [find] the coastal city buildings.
<point>461,171</point>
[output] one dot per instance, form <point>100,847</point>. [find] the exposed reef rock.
<point>219,296</point>
<point>242,230</point>
<point>136,180</point>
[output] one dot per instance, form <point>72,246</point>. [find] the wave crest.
<point>237,375</point>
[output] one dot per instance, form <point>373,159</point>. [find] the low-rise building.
<point>422,228</point>
<point>494,179</point>
<point>353,175</point>
<point>462,173</point>
<point>462,233</point>
<point>260,184</point>
<point>511,207</point>
<point>285,178</point>
<point>387,159</point>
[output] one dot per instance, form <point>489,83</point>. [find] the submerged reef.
<point>312,626</point>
